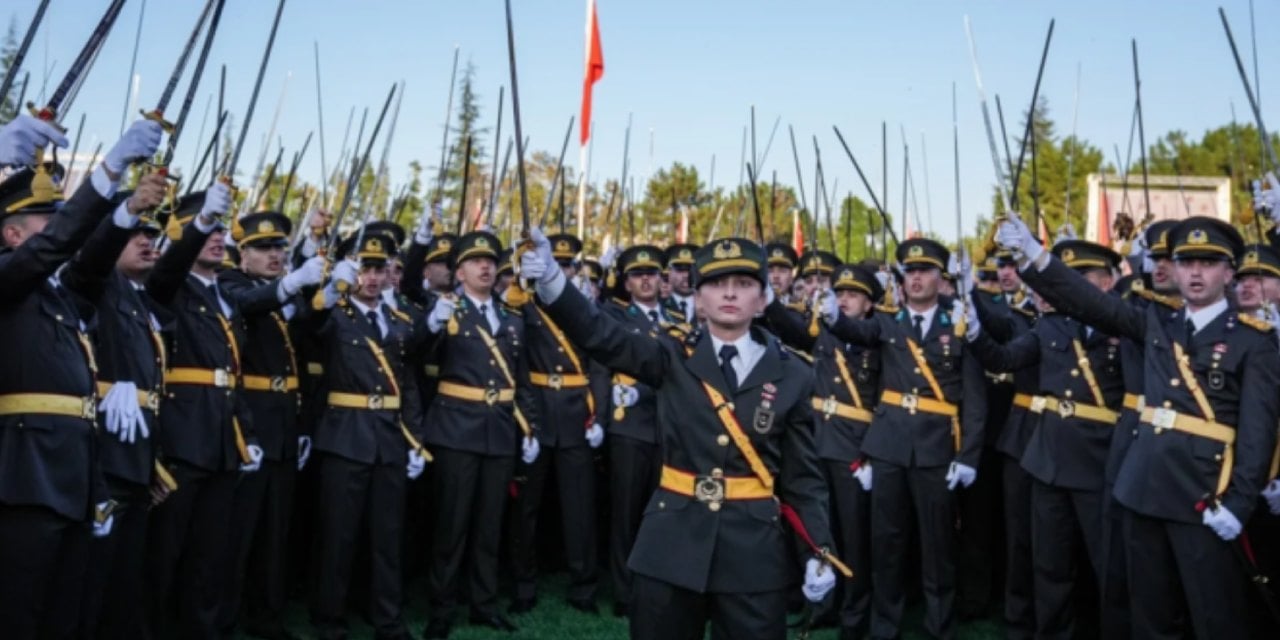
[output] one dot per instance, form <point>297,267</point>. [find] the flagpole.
<point>584,163</point>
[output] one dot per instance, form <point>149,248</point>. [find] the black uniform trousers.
<point>575,480</point>
<point>1263,530</point>
<point>1019,604</point>
<point>113,603</point>
<point>1065,592</point>
<point>355,498</point>
<point>186,548</point>
<point>1183,578</point>
<point>470,493</point>
<point>897,494</point>
<point>1114,581</point>
<point>851,524</point>
<point>663,611</point>
<point>979,536</point>
<point>258,555</point>
<point>634,466</point>
<point>42,564</point>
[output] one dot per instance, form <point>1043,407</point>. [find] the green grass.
<point>553,619</point>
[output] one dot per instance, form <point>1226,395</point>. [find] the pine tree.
<point>9,51</point>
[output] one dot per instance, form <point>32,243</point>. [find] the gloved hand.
<point>1014,235</point>
<point>347,271</point>
<point>217,202</point>
<point>829,307</point>
<point>23,136</point>
<point>424,233</point>
<point>1138,248</point>
<point>138,143</point>
<point>304,451</point>
<point>440,313</point>
<point>819,580</point>
<point>625,395</point>
<point>417,464</point>
<point>1223,522</point>
<point>863,474</point>
<point>610,257</point>
<point>103,529</point>
<point>538,263</point>
<point>124,415</point>
<point>310,273</point>
<point>529,449</point>
<point>595,436</point>
<point>1271,493</point>
<point>1267,201</point>
<point>973,327</point>
<point>960,474</point>
<point>255,459</point>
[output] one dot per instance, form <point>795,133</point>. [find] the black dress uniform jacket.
<point>270,354</point>
<point>563,413</point>
<point>1169,474</point>
<point>1002,323</point>
<point>49,460</point>
<point>198,421</point>
<point>1065,451</point>
<point>742,547</point>
<point>640,420</point>
<point>128,346</point>
<point>923,439</point>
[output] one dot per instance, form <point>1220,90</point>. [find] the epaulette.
<point>991,288</point>
<point>1030,313</point>
<point>1250,320</point>
<point>886,308</point>
<point>406,318</point>
<point>798,353</point>
<point>620,302</point>
<point>515,311</point>
<point>798,306</point>
<point>1168,301</point>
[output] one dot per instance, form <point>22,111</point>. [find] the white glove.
<point>1014,235</point>
<point>595,436</point>
<point>973,327</point>
<point>124,415</point>
<point>829,307</point>
<point>609,258</point>
<point>255,459</point>
<point>819,580</point>
<point>217,202</point>
<point>311,272</point>
<point>424,233</point>
<point>440,314</point>
<point>1271,493</point>
<point>1223,522</point>
<point>625,395</point>
<point>23,136</point>
<point>960,474</point>
<point>138,143</point>
<point>1066,232</point>
<point>417,464</point>
<point>103,529</point>
<point>346,271</point>
<point>1138,248</point>
<point>538,263</point>
<point>863,475</point>
<point>1267,200</point>
<point>529,449</point>
<point>304,451</point>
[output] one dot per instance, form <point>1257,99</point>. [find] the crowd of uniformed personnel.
<point>196,418</point>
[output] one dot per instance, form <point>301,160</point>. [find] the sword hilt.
<point>157,115</point>
<point>46,113</point>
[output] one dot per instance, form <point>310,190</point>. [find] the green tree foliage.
<point>8,51</point>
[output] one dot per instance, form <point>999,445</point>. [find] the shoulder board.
<point>798,353</point>
<point>1251,320</point>
<point>401,315</point>
<point>1030,313</point>
<point>515,311</point>
<point>1145,294</point>
<point>797,306</point>
<point>886,308</point>
<point>620,302</point>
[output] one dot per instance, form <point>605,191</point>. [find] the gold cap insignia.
<point>563,245</point>
<point>445,244</point>
<point>726,249</point>
<point>685,254</point>
<point>1251,258</point>
<point>482,241</point>
<point>1068,255</point>
<point>266,227</point>
<point>777,253</point>
<point>1197,236</point>
<point>642,256</point>
<point>916,251</point>
<point>373,244</point>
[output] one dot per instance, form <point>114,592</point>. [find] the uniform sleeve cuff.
<point>122,218</point>
<point>205,228</point>
<point>103,184</point>
<point>549,292</point>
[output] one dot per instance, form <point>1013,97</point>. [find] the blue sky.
<point>690,71</point>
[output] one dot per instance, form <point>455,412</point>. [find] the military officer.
<point>1257,283</point>
<point>369,439</point>
<point>782,267</point>
<point>634,459</point>
<point>711,545</point>
<point>268,299</point>
<point>480,419</point>
<point>1078,402</point>
<point>816,269</point>
<point>1193,472</point>
<point>52,494</point>
<point>561,379</point>
<point>680,299</point>
<point>206,433</point>
<point>925,439</point>
<point>846,383</point>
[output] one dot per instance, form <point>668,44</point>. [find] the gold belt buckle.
<point>555,381</point>
<point>1066,408</point>
<point>1164,419</point>
<point>909,402</point>
<point>1038,403</point>
<point>829,406</point>
<point>221,378</point>
<point>710,490</point>
<point>375,402</point>
<point>278,384</point>
<point>88,408</point>
<point>491,396</point>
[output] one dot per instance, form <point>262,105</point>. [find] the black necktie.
<point>918,326</point>
<point>1191,331</point>
<point>653,315</point>
<point>727,353</point>
<point>373,320</point>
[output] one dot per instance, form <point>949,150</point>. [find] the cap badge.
<point>1198,236</point>
<point>563,245</point>
<point>916,251</point>
<point>374,245</point>
<point>482,241</point>
<point>266,227</point>
<point>726,249</point>
<point>1068,255</point>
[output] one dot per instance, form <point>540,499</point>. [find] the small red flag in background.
<point>797,232</point>
<point>594,70</point>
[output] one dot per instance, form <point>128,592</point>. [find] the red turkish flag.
<point>797,232</point>
<point>594,70</point>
